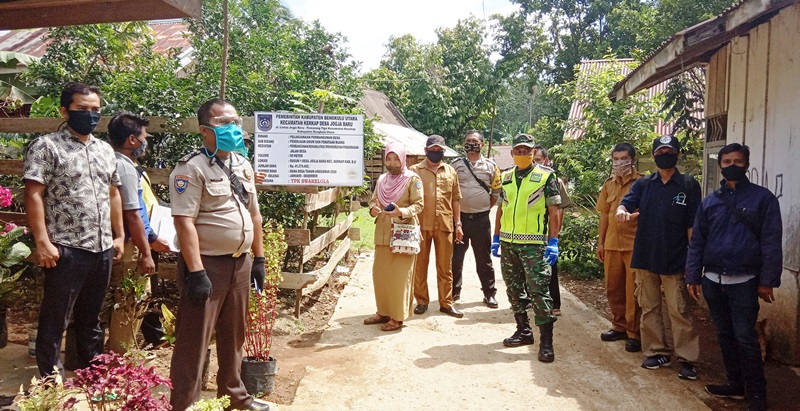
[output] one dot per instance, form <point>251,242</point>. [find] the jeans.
<point>734,309</point>
<point>76,285</point>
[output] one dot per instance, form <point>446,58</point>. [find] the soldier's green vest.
<point>524,208</point>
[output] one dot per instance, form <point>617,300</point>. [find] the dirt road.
<point>443,363</point>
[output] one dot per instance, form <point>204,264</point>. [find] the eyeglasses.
<point>225,120</point>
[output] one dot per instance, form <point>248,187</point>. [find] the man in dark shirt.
<point>735,257</point>
<point>667,202</point>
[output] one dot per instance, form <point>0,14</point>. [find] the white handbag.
<point>405,238</point>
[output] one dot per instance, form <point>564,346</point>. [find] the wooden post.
<point>225,45</point>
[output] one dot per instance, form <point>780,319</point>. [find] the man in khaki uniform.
<point>615,248</point>
<point>442,204</point>
<point>217,221</point>
<point>479,180</point>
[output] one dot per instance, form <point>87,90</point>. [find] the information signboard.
<point>310,149</point>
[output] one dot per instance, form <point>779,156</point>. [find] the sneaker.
<point>656,361</point>
<point>687,371</point>
<point>726,391</point>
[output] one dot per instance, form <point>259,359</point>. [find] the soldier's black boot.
<point>546,343</point>
<point>523,335</point>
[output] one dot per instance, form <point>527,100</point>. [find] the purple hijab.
<point>390,187</point>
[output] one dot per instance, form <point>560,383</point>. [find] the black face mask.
<point>435,156</point>
<point>666,161</point>
<point>733,172</point>
<point>472,147</point>
<point>83,122</point>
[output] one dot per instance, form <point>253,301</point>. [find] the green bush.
<point>578,241</point>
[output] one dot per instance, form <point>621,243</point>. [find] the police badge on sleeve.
<point>181,182</point>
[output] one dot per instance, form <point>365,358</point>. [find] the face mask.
<point>733,172</point>
<point>435,156</point>
<point>83,122</point>
<point>139,151</point>
<point>394,170</point>
<point>523,162</point>
<point>230,137</point>
<point>666,161</point>
<point>472,147</point>
<point>621,167</point>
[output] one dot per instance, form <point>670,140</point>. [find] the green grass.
<point>365,222</point>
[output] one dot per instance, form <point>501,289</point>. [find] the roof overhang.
<point>26,14</point>
<point>695,46</point>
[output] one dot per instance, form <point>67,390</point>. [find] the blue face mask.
<point>230,137</point>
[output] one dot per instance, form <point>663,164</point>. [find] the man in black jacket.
<point>735,256</point>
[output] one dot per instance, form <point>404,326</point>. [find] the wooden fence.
<point>302,282</point>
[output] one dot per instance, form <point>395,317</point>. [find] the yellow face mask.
<point>523,162</point>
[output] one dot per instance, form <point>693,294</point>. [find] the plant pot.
<point>3,327</point>
<point>32,332</point>
<point>259,376</point>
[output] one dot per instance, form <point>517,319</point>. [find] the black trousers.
<point>76,285</point>
<point>477,231</point>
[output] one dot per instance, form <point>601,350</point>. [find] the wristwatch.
<point>458,223</point>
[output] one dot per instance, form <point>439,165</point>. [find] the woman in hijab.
<point>399,190</point>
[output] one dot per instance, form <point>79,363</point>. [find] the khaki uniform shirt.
<point>410,204</point>
<point>202,190</point>
<point>441,189</point>
<point>619,236</point>
<point>476,199</point>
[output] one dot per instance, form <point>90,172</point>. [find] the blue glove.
<point>551,251</point>
<point>496,245</point>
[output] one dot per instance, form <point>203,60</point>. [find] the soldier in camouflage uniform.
<point>529,194</point>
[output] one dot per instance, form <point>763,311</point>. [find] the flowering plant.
<point>262,308</point>
<point>114,382</point>
<point>12,252</point>
<point>6,197</point>
<point>46,394</point>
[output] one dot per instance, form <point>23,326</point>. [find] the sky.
<point>368,24</point>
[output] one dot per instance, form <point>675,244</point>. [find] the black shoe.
<point>523,335</point>
<point>757,403</point>
<point>258,406</point>
<point>490,301</point>
<point>613,335</point>
<point>687,371</point>
<point>633,345</point>
<point>726,391</point>
<point>420,308</point>
<point>456,296</point>
<point>452,311</point>
<point>546,343</point>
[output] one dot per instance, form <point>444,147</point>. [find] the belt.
<point>474,216</point>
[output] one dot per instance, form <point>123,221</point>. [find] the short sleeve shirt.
<point>131,187</point>
<point>666,213</point>
<point>619,236</point>
<point>441,189</point>
<point>475,198</point>
<point>77,177</point>
<point>202,190</point>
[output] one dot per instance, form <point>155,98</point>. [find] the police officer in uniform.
<point>217,221</point>
<point>529,195</point>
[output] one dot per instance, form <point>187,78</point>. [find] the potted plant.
<point>12,252</point>
<point>258,367</point>
<point>132,298</point>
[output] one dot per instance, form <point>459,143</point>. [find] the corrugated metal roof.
<point>503,157</point>
<point>168,34</point>
<point>377,104</point>
<point>587,68</point>
<point>693,46</point>
<point>411,139</point>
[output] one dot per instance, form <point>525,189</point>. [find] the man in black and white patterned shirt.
<point>75,214</point>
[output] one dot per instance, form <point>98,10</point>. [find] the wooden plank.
<point>157,125</point>
<point>320,200</point>
<point>756,100</point>
<point>297,236</point>
<point>11,167</point>
<point>738,89</point>
<point>355,205</point>
<point>711,86</point>
<point>721,82</point>
<point>324,274</point>
<point>354,233</point>
<point>16,218</point>
<point>319,243</point>
<point>296,281</point>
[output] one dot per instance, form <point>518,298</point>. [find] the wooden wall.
<point>761,100</point>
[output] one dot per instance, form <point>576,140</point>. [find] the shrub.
<point>579,243</point>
